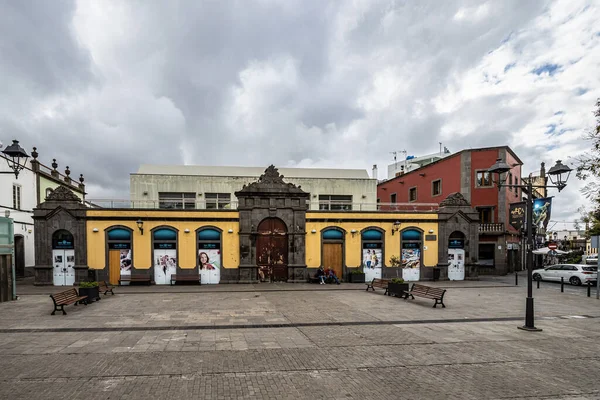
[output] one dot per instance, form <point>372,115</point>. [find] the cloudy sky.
<point>103,86</point>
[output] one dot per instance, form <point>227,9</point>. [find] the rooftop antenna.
<point>395,160</point>
<point>440,148</point>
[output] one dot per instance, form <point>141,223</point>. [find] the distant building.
<point>19,196</point>
<point>411,163</point>
<point>204,187</point>
<point>465,172</point>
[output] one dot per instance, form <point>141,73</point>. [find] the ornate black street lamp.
<point>559,174</point>
<point>16,158</point>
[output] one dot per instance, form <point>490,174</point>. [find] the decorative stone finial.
<point>34,153</point>
<point>81,178</point>
<point>54,164</point>
<point>67,171</point>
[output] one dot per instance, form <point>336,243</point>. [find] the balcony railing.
<point>233,205</point>
<point>491,228</point>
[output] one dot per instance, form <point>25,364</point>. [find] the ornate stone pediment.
<point>271,181</point>
<point>62,193</point>
<point>454,200</point>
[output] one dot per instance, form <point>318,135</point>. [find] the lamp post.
<point>16,158</point>
<point>559,174</point>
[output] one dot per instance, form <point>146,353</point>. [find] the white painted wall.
<point>363,191</point>
<point>23,221</point>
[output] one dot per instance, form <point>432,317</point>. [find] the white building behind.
<point>411,162</point>
<point>203,187</point>
<point>19,196</point>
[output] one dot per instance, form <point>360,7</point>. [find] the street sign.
<point>552,246</point>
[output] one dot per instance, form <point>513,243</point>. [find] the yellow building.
<point>333,240</point>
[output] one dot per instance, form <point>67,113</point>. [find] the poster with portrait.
<point>125,256</point>
<point>209,262</point>
<point>372,255</point>
<point>165,265</point>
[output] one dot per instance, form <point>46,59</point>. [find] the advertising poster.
<point>372,260</point>
<point>125,262</point>
<point>411,262</point>
<point>541,212</point>
<point>165,264</point>
<point>209,263</point>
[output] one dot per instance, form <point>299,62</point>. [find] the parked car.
<point>591,261</point>
<point>575,274</point>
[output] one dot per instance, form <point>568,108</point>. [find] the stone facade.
<point>61,210</point>
<point>457,216</point>
<point>271,197</point>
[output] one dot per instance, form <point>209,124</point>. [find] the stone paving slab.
<point>285,308</point>
<point>302,344</point>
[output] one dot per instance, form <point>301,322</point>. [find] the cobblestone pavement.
<point>301,344</point>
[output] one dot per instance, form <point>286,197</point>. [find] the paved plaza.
<point>301,341</point>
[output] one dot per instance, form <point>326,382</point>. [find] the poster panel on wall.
<point>411,261</point>
<point>456,264</point>
<point>372,260</point>
<point>125,256</point>
<point>165,265</point>
<point>209,262</point>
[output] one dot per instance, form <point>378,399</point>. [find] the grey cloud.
<point>167,88</point>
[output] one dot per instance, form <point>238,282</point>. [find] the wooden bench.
<point>61,299</point>
<point>185,278</point>
<point>378,283</point>
<point>427,292</point>
<point>105,287</point>
<point>136,278</point>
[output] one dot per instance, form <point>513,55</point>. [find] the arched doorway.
<point>209,255</point>
<point>63,258</point>
<point>332,250</point>
<point>411,244</point>
<point>271,250</point>
<point>120,257</point>
<point>372,253</point>
<point>456,256</point>
<point>20,256</point>
<point>164,254</point>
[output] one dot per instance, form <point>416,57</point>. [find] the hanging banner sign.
<point>541,212</point>
<point>517,215</point>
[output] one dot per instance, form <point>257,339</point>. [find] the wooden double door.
<point>272,250</point>
<point>333,257</point>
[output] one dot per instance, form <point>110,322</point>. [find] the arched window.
<point>119,252</point>
<point>63,240</point>
<point>372,253</point>
<point>411,245</point>
<point>209,254</point>
<point>164,244</point>
<point>456,240</point>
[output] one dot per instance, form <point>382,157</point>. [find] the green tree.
<point>588,169</point>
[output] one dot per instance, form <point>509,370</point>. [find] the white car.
<point>591,261</point>
<point>575,274</point>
